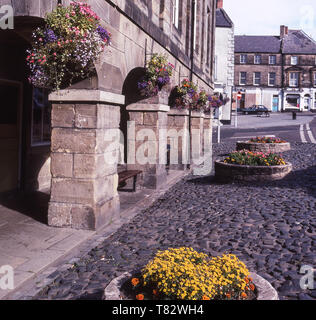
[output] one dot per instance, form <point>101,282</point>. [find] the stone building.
<point>299,70</point>
<point>224,59</point>
<point>258,70</point>
<point>57,141</point>
<point>276,71</point>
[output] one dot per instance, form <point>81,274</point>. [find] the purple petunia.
<point>104,35</point>
<point>49,36</point>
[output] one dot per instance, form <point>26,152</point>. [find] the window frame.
<point>176,13</point>
<point>292,63</point>
<point>291,79</point>
<point>275,59</point>
<point>269,79</point>
<point>195,27</point>
<point>255,78</point>
<point>42,142</point>
<point>256,57</point>
<point>245,59</point>
<point>240,77</point>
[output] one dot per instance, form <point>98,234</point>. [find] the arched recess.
<point>132,95</point>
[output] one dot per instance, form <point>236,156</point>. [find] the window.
<point>257,59</point>
<point>271,78</point>
<point>243,78</point>
<point>257,78</point>
<point>195,25</point>
<point>314,79</point>
<point>208,36</point>
<point>294,60</point>
<point>176,13</point>
<point>272,59</point>
<point>41,117</point>
<point>216,66</point>
<point>243,58</point>
<point>293,79</point>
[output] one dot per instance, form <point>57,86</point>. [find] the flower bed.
<point>251,166</point>
<point>66,48</point>
<point>249,158</point>
<point>184,274</point>
<point>264,144</point>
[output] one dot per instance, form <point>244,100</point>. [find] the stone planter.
<point>264,147</point>
<point>265,291</point>
<point>225,172</point>
<point>161,98</point>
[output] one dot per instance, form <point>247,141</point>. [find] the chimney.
<point>284,31</point>
<point>219,4</point>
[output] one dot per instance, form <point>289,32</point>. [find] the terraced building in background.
<point>277,71</point>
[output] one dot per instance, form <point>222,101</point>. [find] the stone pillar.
<point>207,136</point>
<point>197,119</point>
<point>146,151</point>
<point>178,135</point>
<point>84,158</point>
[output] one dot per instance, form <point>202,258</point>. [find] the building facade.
<point>182,29</point>
<point>276,71</point>
<point>224,59</point>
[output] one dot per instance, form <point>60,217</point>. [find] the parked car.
<point>258,110</point>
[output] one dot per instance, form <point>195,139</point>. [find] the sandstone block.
<point>63,115</point>
<point>62,165</point>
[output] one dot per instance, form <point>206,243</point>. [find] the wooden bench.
<point>125,175</point>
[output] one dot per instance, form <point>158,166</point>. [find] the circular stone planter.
<point>226,172</point>
<point>263,147</point>
<point>265,291</point>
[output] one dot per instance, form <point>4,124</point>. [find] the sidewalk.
<point>36,251</point>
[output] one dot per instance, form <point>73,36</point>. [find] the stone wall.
<point>140,29</point>
<point>31,8</point>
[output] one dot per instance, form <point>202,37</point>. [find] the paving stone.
<point>269,226</point>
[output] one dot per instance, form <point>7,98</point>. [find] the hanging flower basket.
<point>186,96</point>
<point>157,76</point>
<point>66,48</point>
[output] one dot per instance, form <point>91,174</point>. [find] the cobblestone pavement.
<point>271,227</point>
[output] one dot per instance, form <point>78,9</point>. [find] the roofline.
<point>253,35</point>
<point>227,16</point>
<point>305,34</point>
<point>267,52</point>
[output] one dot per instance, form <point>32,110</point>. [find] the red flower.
<point>140,297</point>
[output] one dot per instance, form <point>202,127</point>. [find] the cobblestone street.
<point>271,227</point>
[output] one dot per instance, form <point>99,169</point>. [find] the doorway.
<point>10,135</point>
<point>275,104</point>
<point>307,102</point>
